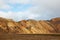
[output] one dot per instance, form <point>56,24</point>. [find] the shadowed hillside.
<point>9,26</point>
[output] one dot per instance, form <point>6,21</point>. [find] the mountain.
<point>56,23</point>
<point>9,26</point>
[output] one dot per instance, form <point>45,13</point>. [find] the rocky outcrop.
<point>9,26</point>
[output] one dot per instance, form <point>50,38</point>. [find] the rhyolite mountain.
<point>9,26</point>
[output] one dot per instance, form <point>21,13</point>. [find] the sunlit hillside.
<point>31,26</point>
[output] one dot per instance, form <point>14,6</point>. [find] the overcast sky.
<point>29,9</point>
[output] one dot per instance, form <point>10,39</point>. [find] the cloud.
<point>18,1</point>
<point>4,5</point>
<point>47,9</point>
<point>40,9</point>
<point>17,16</point>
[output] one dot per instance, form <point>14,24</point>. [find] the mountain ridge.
<point>30,26</point>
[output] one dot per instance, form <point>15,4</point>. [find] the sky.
<point>29,9</point>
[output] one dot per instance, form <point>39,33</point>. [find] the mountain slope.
<point>9,26</point>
